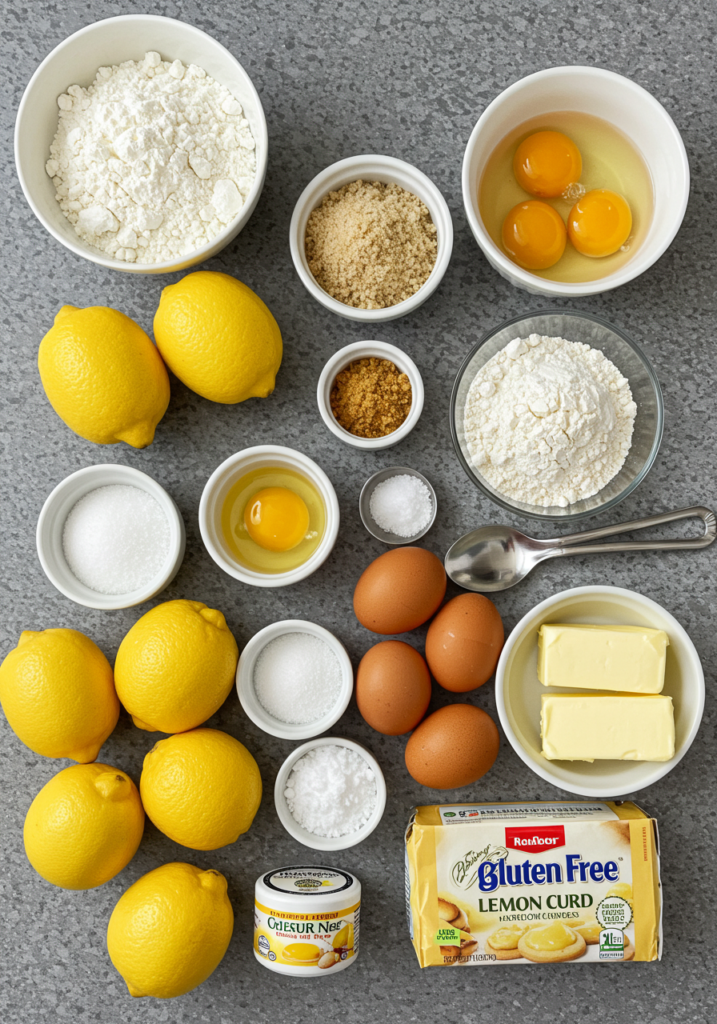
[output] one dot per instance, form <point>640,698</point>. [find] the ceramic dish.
<point>365,350</point>
<point>518,691</point>
<point>629,359</point>
<point>212,502</point>
<point>371,168</point>
<point>51,523</point>
<point>245,680</point>
<point>365,505</point>
<point>75,62</point>
<point>628,107</point>
<point>308,838</point>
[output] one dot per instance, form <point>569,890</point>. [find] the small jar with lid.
<point>306,920</point>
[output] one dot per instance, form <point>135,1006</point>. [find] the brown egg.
<point>453,747</point>
<point>400,590</point>
<point>393,687</point>
<point>464,642</point>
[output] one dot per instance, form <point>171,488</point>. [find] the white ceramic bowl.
<point>518,691</point>
<point>245,680</point>
<point>629,108</point>
<point>388,170</point>
<point>75,62</point>
<point>364,350</point>
<point>308,838</point>
<point>365,505</point>
<point>212,502</point>
<point>51,523</point>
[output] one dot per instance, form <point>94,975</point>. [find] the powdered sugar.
<point>152,161</point>
<point>331,791</point>
<point>549,421</point>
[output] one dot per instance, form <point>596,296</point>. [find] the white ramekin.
<point>51,523</point>
<point>364,350</point>
<point>245,680</point>
<point>389,170</point>
<point>75,62</point>
<point>518,691</point>
<point>627,106</point>
<point>308,838</point>
<point>212,502</point>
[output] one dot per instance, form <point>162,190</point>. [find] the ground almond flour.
<point>371,245</point>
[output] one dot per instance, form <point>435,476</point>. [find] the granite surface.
<point>410,80</point>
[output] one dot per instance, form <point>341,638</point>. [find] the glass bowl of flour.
<point>556,415</point>
<point>141,144</point>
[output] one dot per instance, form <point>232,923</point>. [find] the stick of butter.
<point>630,659</point>
<point>590,727</point>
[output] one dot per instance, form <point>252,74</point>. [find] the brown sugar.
<point>371,397</point>
<point>371,245</point>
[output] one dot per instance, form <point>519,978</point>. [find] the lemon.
<point>201,788</point>
<point>57,693</point>
<point>103,376</point>
<point>170,930</point>
<point>84,826</point>
<point>218,337</point>
<point>176,666</point>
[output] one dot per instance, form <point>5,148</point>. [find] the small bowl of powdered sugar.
<point>330,793</point>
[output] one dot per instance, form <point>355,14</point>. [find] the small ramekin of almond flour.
<point>371,238</point>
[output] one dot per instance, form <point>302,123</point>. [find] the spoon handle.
<point>574,544</point>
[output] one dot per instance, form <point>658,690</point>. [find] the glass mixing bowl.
<point>619,349</point>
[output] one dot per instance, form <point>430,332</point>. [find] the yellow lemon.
<point>170,930</point>
<point>103,376</point>
<point>58,695</point>
<point>176,666</point>
<point>84,826</point>
<point>218,337</point>
<point>201,788</point>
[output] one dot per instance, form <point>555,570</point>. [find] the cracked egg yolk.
<point>276,518</point>
<point>599,223</point>
<point>534,235</point>
<point>546,163</point>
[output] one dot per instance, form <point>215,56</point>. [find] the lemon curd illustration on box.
<point>273,519</point>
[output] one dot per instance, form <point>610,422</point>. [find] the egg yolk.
<point>546,163</point>
<point>534,235</point>
<point>599,223</point>
<point>276,518</point>
<point>302,953</point>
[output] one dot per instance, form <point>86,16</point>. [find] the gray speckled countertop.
<point>409,80</point>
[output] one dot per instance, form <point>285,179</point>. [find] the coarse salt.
<point>297,678</point>
<point>331,791</point>
<point>116,539</point>
<point>401,505</point>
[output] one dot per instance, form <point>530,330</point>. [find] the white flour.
<point>152,161</point>
<point>549,421</point>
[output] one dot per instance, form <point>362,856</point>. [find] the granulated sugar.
<point>116,539</point>
<point>297,678</point>
<point>331,791</point>
<point>401,505</point>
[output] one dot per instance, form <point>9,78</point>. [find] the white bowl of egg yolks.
<point>295,473</point>
<point>627,107</point>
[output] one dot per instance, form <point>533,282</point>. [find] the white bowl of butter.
<point>519,693</point>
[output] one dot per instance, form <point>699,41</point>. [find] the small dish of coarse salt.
<point>294,679</point>
<point>397,505</point>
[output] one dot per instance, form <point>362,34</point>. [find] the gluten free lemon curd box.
<point>536,882</point>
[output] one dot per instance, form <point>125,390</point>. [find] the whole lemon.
<point>218,337</point>
<point>170,930</point>
<point>176,666</point>
<point>103,376</point>
<point>58,695</point>
<point>84,826</point>
<point>201,788</point>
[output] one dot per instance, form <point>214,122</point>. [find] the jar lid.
<point>297,886</point>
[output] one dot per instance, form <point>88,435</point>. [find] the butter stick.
<point>592,727</point>
<point>629,659</point>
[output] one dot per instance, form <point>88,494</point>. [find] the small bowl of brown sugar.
<point>371,238</point>
<point>370,394</point>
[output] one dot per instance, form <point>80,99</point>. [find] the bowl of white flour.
<point>141,144</point>
<point>556,415</point>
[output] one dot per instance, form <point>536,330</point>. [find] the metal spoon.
<point>497,557</point>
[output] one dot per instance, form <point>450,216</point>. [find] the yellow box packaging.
<point>533,882</point>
